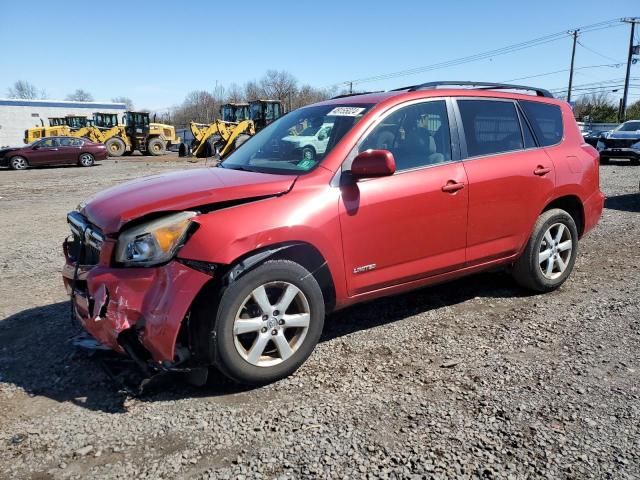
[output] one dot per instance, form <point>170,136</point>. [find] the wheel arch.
<point>197,326</point>
<point>573,206</point>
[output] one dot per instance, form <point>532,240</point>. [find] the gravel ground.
<point>475,378</point>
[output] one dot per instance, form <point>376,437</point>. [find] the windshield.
<point>629,127</point>
<point>285,148</point>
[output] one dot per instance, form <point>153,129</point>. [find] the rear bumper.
<point>593,210</point>
<point>152,302</point>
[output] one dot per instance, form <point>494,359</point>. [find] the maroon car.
<point>54,151</point>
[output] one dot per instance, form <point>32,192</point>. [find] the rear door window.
<point>490,126</point>
<point>546,121</point>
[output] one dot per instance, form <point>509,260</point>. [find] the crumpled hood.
<point>112,208</point>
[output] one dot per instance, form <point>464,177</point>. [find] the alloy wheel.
<point>555,251</point>
<point>271,323</point>
<point>19,163</point>
<point>86,160</point>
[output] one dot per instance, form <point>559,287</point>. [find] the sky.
<point>157,52</point>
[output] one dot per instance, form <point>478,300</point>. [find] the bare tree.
<point>278,85</point>
<point>80,95</point>
<point>24,90</point>
<point>235,94</point>
<point>308,94</point>
<point>252,91</point>
<point>126,100</point>
<point>598,106</point>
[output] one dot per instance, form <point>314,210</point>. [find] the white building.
<point>18,115</point>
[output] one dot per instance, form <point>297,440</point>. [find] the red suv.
<point>237,266</point>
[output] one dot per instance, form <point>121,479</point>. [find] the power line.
<point>612,65</point>
<point>483,55</point>
<point>597,53</point>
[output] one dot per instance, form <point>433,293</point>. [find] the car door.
<point>412,224</point>
<point>510,178</point>
<point>44,152</point>
<point>69,150</point>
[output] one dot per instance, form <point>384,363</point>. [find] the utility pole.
<point>574,34</point>
<point>623,106</point>
<point>350,87</point>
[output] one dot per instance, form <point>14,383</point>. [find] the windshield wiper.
<point>236,167</point>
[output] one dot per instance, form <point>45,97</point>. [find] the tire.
<point>86,160</point>
<point>604,160</point>
<point>240,139</point>
<point>156,147</point>
<point>211,148</point>
<point>237,354</point>
<point>18,163</point>
<point>308,153</point>
<point>115,147</point>
<point>528,269</point>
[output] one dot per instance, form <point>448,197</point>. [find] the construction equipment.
<point>71,125</point>
<point>238,122</point>
<point>136,132</point>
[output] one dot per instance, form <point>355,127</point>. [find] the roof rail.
<point>480,85</point>
<point>344,95</point>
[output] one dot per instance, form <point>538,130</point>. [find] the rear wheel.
<point>18,163</point>
<point>550,254</point>
<point>86,160</point>
<point>115,147</point>
<point>268,322</point>
<point>156,146</point>
<point>308,153</point>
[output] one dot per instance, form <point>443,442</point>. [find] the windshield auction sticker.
<point>345,112</point>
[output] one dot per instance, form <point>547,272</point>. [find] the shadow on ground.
<point>629,202</point>
<point>36,353</point>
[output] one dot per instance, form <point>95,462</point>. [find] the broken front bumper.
<point>152,302</point>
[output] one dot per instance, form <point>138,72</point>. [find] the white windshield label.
<point>345,112</point>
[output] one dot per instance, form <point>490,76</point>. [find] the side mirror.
<point>373,164</point>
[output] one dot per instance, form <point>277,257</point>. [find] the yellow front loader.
<point>239,122</point>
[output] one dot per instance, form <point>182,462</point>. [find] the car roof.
<point>405,95</point>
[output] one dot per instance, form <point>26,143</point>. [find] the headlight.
<point>636,146</point>
<point>153,242</point>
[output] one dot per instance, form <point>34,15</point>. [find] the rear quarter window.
<point>546,121</point>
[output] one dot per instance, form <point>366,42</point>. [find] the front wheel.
<point>115,147</point>
<point>86,160</point>
<point>268,322</point>
<point>156,146</point>
<point>18,163</point>
<point>550,254</point>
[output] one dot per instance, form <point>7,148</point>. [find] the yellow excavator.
<point>238,122</point>
<point>136,133</point>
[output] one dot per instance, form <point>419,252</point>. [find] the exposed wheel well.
<point>195,331</point>
<point>573,206</point>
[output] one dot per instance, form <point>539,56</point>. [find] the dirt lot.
<point>475,378</point>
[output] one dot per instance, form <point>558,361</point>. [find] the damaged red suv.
<point>336,203</point>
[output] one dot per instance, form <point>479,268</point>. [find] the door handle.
<point>540,170</point>
<point>452,186</point>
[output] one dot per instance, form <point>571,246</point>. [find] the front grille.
<point>86,242</point>
<point>619,142</point>
<point>83,252</point>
